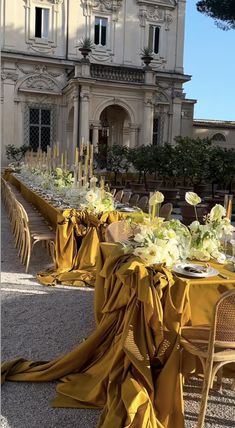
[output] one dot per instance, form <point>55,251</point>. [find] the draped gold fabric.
<point>78,235</point>
<point>77,238</point>
<point>130,365</point>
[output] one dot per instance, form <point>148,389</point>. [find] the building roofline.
<point>202,123</point>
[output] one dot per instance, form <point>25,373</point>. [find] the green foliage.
<point>222,166</point>
<point>16,153</point>
<point>142,159</point>
<point>86,43</point>
<point>196,160</point>
<point>147,51</point>
<point>113,158</point>
<point>192,158</point>
<point>117,158</point>
<point>223,11</point>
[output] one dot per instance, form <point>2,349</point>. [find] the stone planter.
<point>170,194</point>
<point>153,185</point>
<point>147,59</point>
<point>136,187</point>
<point>202,189</point>
<point>85,52</point>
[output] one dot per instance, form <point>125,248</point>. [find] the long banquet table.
<point>78,234</point>
<point>130,365</point>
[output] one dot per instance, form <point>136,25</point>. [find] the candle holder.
<point>228,205</point>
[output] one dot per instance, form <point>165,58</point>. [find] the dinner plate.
<point>203,272</point>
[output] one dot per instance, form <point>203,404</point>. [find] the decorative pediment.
<point>150,13</point>
<point>41,84</point>
<point>112,6</point>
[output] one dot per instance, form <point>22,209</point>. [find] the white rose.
<point>59,172</point>
<point>217,212</point>
<point>139,238</point>
<point>192,198</point>
<point>91,196</point>
<point>194,226</point>
<point>93,180</point>
<point>156,198</point>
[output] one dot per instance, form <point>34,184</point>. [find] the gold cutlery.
<point>223,276</point>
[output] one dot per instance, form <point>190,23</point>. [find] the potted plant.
<point>15,153</point>
<point>147,55</point>
<point>85,46</point>
<point>192,157</point>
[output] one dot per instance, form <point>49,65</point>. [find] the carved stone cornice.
<point>9,75</point>
<point>154,14</point>
<point>58,2</point>
<point>171,4</point>
<point>39,70</point>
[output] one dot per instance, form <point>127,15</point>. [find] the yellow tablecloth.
<point>78,235</point>
<point>130,366</point>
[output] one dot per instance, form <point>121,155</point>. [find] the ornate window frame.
<point>108,9</point>
<point>158,14</point>
<point>36,105</point>
<point>39,44</point>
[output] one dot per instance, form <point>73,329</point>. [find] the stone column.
<point>180,36</point>
<point>84,114</point>
<point>75,124</point>
<point>95,137</point>
<point>148,121</point>
<point>176,120</point>
<point>133,136</point>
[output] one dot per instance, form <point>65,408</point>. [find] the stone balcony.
<point>118,74</point>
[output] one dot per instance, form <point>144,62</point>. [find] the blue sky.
<point>209,56</point>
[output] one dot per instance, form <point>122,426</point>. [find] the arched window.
<point>218,138</point>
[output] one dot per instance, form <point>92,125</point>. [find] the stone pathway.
<point>42,323</point>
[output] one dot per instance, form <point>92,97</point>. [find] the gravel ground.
<point>42,323</point>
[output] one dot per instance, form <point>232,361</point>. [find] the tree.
<point>117,159</point>
<point>16,153</point>
<point>191,158</point>
<point>222,167</point>
<point>143,160</point>
<point>223,11</point>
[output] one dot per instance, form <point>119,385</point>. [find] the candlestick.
<point>76,156</point>
<point>92,152</point>
<point>82,147</point>
<point>102,182</point>
<point>75,177</point>
<point>88,149</point>
<point>65,160</point>
<point>57,150</point>
<point>79,170</point>
<point>62,160</point>
<point>86,168</point>
<point>228,205</point>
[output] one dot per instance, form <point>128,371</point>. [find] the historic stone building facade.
<point>221,132</point>
<point>50,94</point>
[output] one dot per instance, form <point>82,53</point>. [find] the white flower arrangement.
<point>162,242</point>
<point>97,201</point>
<point>207,238</point>
<point>62,178</point>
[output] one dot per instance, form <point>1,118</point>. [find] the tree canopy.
<point>223,11</point>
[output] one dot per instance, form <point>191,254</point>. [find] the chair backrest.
<point>166,210</point>
<point>126,197</point>
<point>143,203</point>
<point>118,231</point>
<point>224,320</point>
<point>134,199</point>
<point>118,196</point>
<point>113,191</point>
